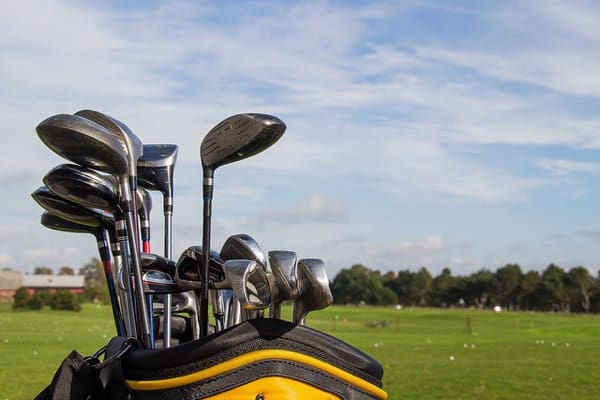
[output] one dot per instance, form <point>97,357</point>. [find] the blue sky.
<point>420,133</point>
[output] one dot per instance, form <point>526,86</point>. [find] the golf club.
<point>85,142</point>
<point>233,139</point>
<point>313,287</point>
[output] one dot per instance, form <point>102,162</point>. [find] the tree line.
<point>553,289</point>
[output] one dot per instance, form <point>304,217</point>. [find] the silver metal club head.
<point>313,287</point>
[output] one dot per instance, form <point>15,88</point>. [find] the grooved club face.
<point>283,266</point>
<point>249,283</point>
<point>238,137</point>
<point>313,287</point>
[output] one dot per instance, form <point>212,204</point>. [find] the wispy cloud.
<point>373,95</point>
<point>567,167</point>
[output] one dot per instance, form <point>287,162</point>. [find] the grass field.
<point>427,354</point>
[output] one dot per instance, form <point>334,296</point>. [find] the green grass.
<point>503,356</point>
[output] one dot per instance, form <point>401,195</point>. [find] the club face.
<point>84,142</point>
<point>155,167</point>
<point>243,247</point>
<point>186,274</point>
<point>158,282</point>
<point>313,284</point>
<point>117,128</point>
<point>238,137</point>
<point>83,186</point>
<point>249,283</point>
<point>283,266</point>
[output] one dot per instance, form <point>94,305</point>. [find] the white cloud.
<point>6,260</point>
<point>413,248</point>
<point>562,167</point>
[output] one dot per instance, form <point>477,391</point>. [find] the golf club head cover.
<point>259,358</point>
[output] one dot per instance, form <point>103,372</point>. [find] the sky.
<point>419,133</point>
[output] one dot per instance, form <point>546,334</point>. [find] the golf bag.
<point>257,359</point>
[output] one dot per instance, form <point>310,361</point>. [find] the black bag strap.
<point>75,379</point>
<point>78,377</point>
<point>110,370</point>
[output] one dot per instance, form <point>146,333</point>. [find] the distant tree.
<point>581,285</point>
<point>403,285</point>
<point>94,281</point>
<point>43,271</point>
<point>479,288</point>
<point>360,284</point>
<point>507,286</point>
<point>21,299</point>
<point>65,300</point>
<point>37,301</point>
<point>554,289</point>
<point>445,289</point>
<point>66,271</point>
<point>531,297</point>
<point>423,282</point>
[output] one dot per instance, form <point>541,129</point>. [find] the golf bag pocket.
<point>258,359</point>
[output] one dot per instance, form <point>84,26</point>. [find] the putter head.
<point>283,266</point>
<point>84,142</point>
<point>186,274</point>
<point>132,143</point>
<point>243,247</point>
<point>238,137</point>
<point>83,186</point>
<point>249,283</point>
<point>155,167</point>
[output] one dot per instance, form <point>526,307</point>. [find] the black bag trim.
<point>251,335</point>
<point>251,372</point>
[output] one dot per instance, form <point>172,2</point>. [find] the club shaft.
<point>168,299</point>
<point>203,273</point>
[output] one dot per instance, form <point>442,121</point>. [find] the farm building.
<point>10,281</point>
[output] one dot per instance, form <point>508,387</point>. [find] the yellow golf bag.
<point>259,359</point>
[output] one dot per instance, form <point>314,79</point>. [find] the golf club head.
<point>283,266</point>
<point>132,143</point>
<point>157,262</point>
<point>57,223</point>
<point>186,274</point>
<point>249,283</point>
<point>70,211</point>
<point>243,247</point>
<point>158,282</point>
<point>84,142</point>
<point>313,287</point>
<point>155,167</point>
<point>238,137</point>
<point>83,186</point>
